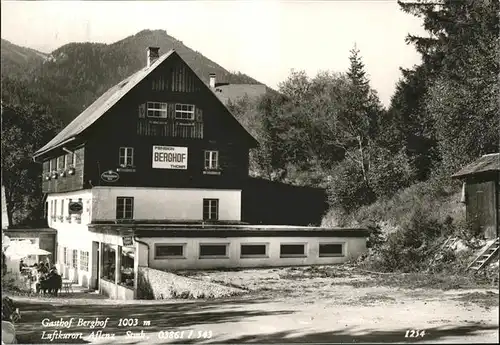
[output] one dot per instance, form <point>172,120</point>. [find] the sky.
<point>264,39</point>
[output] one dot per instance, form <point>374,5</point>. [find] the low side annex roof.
<point>101,106</point>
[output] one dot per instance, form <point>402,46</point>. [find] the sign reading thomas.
<point>170,157</point>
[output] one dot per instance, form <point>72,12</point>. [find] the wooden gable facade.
<point>169,107</point>
<point>482,194</point>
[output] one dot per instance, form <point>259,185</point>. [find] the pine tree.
<point>461,58</point>
<point>358,123</point>
<point>356,72</point>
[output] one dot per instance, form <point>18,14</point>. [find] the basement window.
<point>292,250</point>
<point>213,251</point>
<point>164,251</point>
<point>331,249</point>
<point>253,250</point>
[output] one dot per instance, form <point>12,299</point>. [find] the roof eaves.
<point>108,103</point>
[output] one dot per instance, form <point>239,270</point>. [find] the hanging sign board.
<point>170,157</point>
<point>127,241</point>
<point>110,176</point>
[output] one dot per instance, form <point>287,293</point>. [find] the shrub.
<point>409,247</point>
<point>347,190</point>
<point>389,173</point>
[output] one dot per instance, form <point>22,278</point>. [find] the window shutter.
<point>199,114</point>
<point>142,111</point>
<point>171,111</point>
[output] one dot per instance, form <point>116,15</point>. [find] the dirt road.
<point>291,309</point>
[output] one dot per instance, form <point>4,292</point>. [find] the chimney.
<point>212,80</point>
<point>153,55</point>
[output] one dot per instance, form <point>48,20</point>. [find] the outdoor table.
<point>67,285</point>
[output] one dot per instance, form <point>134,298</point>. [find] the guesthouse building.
<point>152,175</point>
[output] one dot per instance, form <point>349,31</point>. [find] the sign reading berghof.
<point>110,176</point>
<point>170,157</point>
<point>75,207</point>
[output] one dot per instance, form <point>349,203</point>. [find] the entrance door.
<point>95,266</point>
<point>483,209</point>
<point>46,211</point>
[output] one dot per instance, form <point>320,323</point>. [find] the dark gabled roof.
<point>106,102</point>
<point>486,163</point>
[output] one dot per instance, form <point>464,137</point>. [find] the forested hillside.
<point>19,62</point>
<point>70,78</point>
<point>390,169</point>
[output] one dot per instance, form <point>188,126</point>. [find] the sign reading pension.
<point>170,157</point>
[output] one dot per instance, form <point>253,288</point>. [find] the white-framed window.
<point>170,250</point>
<point>184,112</point>
<point>211,159</point>
<point>331,249</point>
<point>157,109</point>
<point>67,160</point>
<point>254,250</point>
<point>291,250</point>
<point>124,207</point>
<point>126,156</point>
<point>84,261</point>
<point>46,166</point>
<point>54,210</point>
<point>62,162</point>
<point>210,209</point>
<point>66,255</point>
<point>74,262</point>
<point>214,250</point>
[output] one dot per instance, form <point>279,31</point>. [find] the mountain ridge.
<point>74,75</point>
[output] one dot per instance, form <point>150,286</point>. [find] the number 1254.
<point>414,333</point>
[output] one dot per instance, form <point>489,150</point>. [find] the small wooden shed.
<point>481,194</point>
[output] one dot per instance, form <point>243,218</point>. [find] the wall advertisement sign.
<point>170,157</point>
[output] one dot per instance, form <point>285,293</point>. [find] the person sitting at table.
<point>21,265</point>
<point>44,269</point>
<point>34,270</point>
